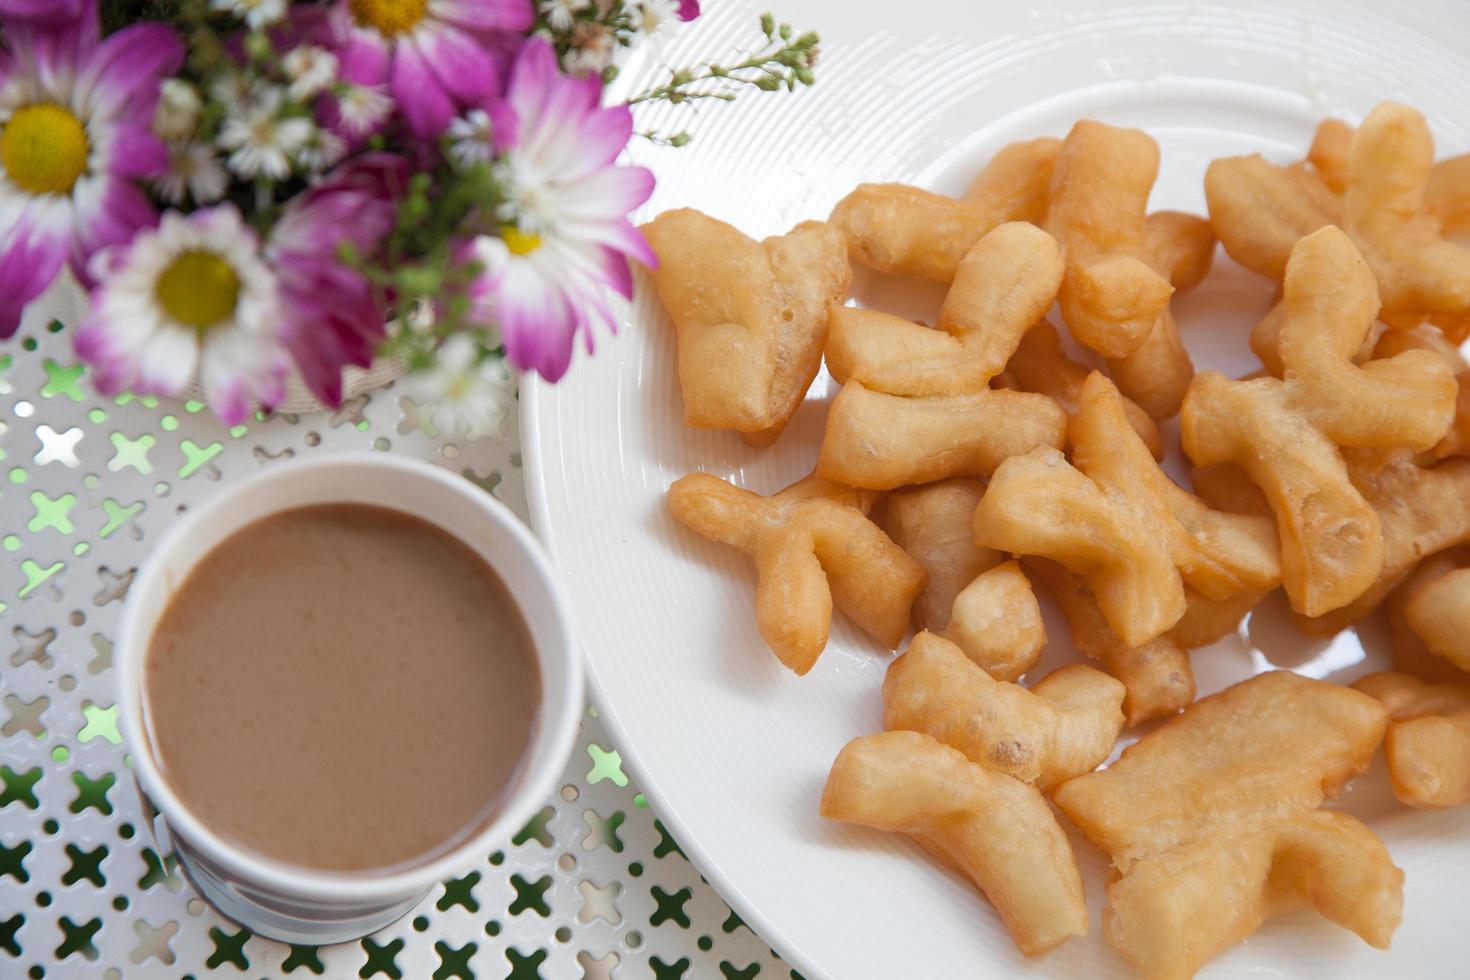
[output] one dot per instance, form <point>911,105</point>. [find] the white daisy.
<point>190,299</point>
<point>310,69</point>
<point>654,17</point>
<point>472,138</point>
<point>262,142</point>
<point>363,108</point>
<point>560,14</point>
<point>193,171</point>
<point>322,149</point>
<point>468,394</point>
<point>593,48</point>
<point>255,13</point>
<point>178,111</point>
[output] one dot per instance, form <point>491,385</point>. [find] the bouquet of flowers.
<point>248,188</point>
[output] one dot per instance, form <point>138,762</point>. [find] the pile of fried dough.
<point>968,463</point>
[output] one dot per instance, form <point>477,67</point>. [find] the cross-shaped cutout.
<point>460,891</point>
<point>599,901</point>
<point>198,456</point>
<point>103,660</point>
<point>24,716</point>
<point>131,452</point>
<point>36,574</point>
<point>733,972</point>
<point>32,646</point>
<point>9,928</point>
<point>601,969</point>
<point>454,962</point>
<point>51,513</point>
<point>304,956</point>
<point>668,971</point>
<point>100,723</point>
<point>62,380</point>
<point>524,966</point>
<point>77,938</point>
<point>118,514</point>
<point>670,907</point>
<point>159,871</point>
<point>85,865</point>
<point>20,787</point>
<point>92,793</point>
<point>606,764</point>
<point>602,831</point>
<point>351,411</point>
<point>228,948</point>
<point>535,829</point>
<point>153,943</point>
<point>666,844</point>
<point>415,417</point>
<point>12,861</point>
<point>381,959</point>
<point>114,586</point>
<point>58,447</point>
<point>530,895</point>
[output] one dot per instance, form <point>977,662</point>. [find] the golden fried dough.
<point>811,552</point>
<point>996,830</point>
<point>1038,504</point>
<point>1017,180</point>
<point>882,441</point>
<point>1428,742</point>
<point>1040,365</point>
<point>1156,675</point>
<point>1227,487</point>
<point>997,623</point>
<point>933,524</point>
<point>1111,297</point>
<point>1064,726</point>
<point>1421,511</point>
<point>1260,210</point>
<point>1180,247</point>
<point>1330,152</point>
<point>1411,655</point>
<point>1212,824</point>
<point>1439,612</point>
<point>1447,195</point>
<point>751,317</point>
<point>1206,621</point>
<point>1217,553</point>
<point>1002,286</point>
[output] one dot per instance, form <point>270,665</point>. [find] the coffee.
<point>341,687</point>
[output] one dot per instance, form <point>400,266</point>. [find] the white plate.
<point>731,748</point>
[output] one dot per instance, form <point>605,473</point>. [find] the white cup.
<point>304,905</point>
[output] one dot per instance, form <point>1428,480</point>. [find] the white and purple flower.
<point>565,237</point>
<point>329,313</point>
<point>191,299</point>
<point>75,134</point>
<point>434,56</point>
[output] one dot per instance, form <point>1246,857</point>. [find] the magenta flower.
<point>329,314</point>
<point>434,56</point>
<point>47,11</point>
<point>75,116</point>
<point>566,237</point>
<point>688,9</point>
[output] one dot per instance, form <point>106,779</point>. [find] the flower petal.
<point>121,79</point>
<point>134,151</point>
<point>485,15</point>
<point>425,104</point>
<point>30,257</point>
<point>121,209</point>
<point>463,68</point>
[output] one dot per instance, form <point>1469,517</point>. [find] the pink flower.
<point>566,237</point>
<point>47,11</point>
<point>688,9</point>
<point>329,315</point>
<point>434,56</point>
<point>75,135</point>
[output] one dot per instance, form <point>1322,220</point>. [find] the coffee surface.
<point>341,687</point>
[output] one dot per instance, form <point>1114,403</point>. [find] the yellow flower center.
<point>199,289</point>
<point>388,17</point>
<point>519,242</point>
<point>44,149</point>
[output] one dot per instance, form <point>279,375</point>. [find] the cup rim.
<point>559,716</point>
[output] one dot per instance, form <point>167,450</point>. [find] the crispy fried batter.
<point>1428,742</point>
<point>996,830</point>
<point>811,552</point>
<point>751,317</point>
<point>1212,823</point>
